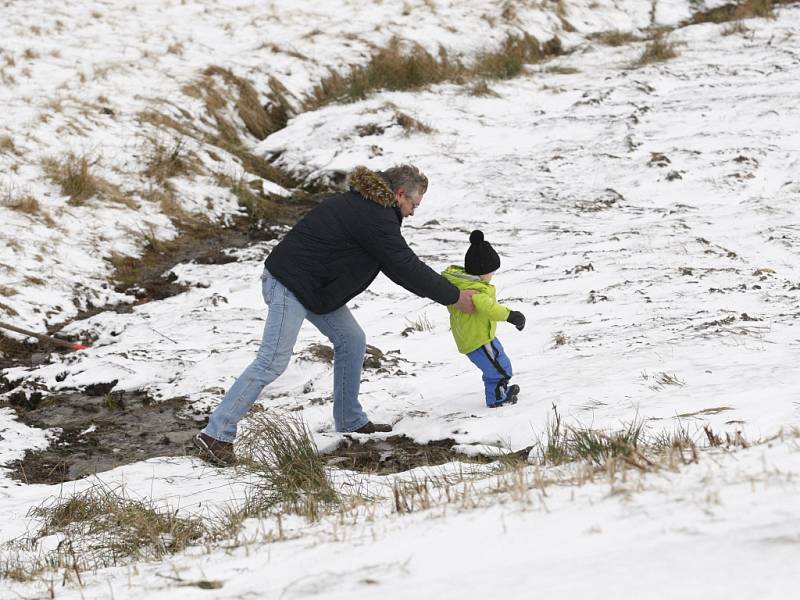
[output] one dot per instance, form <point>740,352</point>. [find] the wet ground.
<point>95,431</point>
<point>393,454</point>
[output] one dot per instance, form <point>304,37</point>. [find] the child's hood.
<point>456,275</point>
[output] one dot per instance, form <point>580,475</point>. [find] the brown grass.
<point>99,527</point>
<point>616,38</point>
<point>561,70</point>
<point>401,67</point>
<point>513,55</point>
<point>258,121</point>
<point>24,203</point>
<point>7,144</point>
<point>217,103</point>
<point>73,174</point>
<point>166,161</point>
<point>410,124</point>
<point>481,88</point>
<point>658,50</point>
<point>747,9</point>
<point>394,67</point>
<point>176,48</point>
<point>278,449</point>
<point>287,51</point>
<point>4,341</point>
<point>30,54</point>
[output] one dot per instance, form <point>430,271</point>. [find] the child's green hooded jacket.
<point>472,331</point>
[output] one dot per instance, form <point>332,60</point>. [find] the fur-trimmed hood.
<point>372,186</point>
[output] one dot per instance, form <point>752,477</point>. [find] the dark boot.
<point>215,451</point>
<point>371,427</point>
<point>511,397</point>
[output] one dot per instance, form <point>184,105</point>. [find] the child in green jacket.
<point>475,333</point>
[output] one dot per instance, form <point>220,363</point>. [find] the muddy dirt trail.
<point>95,433</point>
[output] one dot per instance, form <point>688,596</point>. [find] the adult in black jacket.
<point>330,256</point>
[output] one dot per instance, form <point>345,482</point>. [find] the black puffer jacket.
<point>338,248</point>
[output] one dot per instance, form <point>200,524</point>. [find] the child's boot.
<point>511,397</point>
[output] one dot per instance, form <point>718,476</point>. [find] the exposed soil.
<point>97,431</point>
<point>393,454</point>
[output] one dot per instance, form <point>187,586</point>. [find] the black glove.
<point>517,319</point>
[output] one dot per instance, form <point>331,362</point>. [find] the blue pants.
<point>284,318</point>
<point>493,361</point>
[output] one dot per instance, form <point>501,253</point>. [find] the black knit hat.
<point>481,257</point>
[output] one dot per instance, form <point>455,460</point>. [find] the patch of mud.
<point>97,433</point>
<point>394,454</point>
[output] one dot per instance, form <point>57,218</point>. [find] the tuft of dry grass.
<point>509,12</point>
<point>258,121</point>
<point>559,339</point>
<point>277,448</point>
<point>73,174</point>
<point>226,136</point>
<point>513,55</point>
<point>99,527</point>
<point>176,48</point>
<point>25,204</point>
<point>630,445</point>
<point>410,124</point>
<point>561,70</point>
<point>657,50</point>
<point>421,323</point>
<point>7,144</point>
<point>616,38</point>
<point>747,9</point>
<point>481,88</point>
<point>402,67</point>
<point>394,67</point>
<point>166,161</point>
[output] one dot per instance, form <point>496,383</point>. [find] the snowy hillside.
<point>646,215</point>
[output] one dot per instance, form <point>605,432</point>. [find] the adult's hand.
<point>464,303</point>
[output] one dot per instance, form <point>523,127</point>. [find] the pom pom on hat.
<point>481,257</point>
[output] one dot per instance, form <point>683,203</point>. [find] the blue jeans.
<point>493,361</point>
<point>284,318</point>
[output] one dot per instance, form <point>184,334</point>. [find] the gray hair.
<point>408,177</point>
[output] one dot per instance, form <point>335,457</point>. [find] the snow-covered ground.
<point>647,222</point>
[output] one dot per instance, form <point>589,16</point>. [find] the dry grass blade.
<point>746,9</point>
<point>616,38</point>
<point>167,161</point>
<point>72,173</point>
<point>657,50</point>
<point>290,473</point>
<point>98,527</point>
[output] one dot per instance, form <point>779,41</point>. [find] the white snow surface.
<point>647,222</point>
